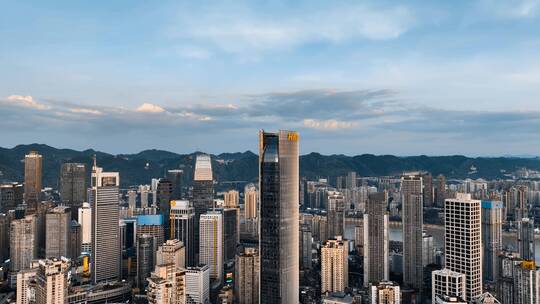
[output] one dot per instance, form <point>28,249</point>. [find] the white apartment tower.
<point>334,266</point>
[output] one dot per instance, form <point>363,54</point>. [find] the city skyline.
<point>426,80</point>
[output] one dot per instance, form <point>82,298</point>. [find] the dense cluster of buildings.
<point>284,239</point>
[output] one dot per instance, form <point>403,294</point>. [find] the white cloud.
<point>511,8</point>
<point>329,125</point>
<point>26,101</point>
<point>150,108</point>
<point>85,111</point>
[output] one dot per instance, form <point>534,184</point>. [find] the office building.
<point>73,186</point>
<point>151,224</point>
<point>231,232</point>
<point>203,193</point>
<point>306,241</point>
<point>106,250</point>
<point>427,193</point>
<point>463,241</point>
<point>176,177</point>
<point>440,194</point>
<point>167,285</point>
<point>279,213</point>
<point>446,282</point>
<point>250,202</point>
<point>211,243</point>
<point>385,292</point>
<point>198,284</point>
<point>412,214</point>
<point>146,250</point>
<point>23,246</point>
<point>164,195</point>
<point>85,220</point>
<point>247,276</point>
<point>334,266</point>
<point>52,281</point>
<point>75,242</point>
<point>428,253</point>
<point>172,252</point>
<point>231,199</point>
<point>526,239</point>
<point>182,221</point>
<point>376,240</point>
<point>492,219</point>
<point>32,179</point>
<point>11,196</point>
<point>335,214</point>
<point>58,232</point>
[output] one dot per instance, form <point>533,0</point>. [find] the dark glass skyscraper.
<point>279,212</point>
<point>73,186</point>
<point>177,179</point>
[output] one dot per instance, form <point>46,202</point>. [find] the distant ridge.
<point>139,168</point>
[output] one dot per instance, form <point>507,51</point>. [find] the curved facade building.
<point>279,212</point>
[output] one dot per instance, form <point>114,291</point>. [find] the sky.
<point>353,77</point>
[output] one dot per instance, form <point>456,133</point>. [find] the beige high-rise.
<point>247,276</point>
<point>172,252</point>
<point>57,232</point>
<point>52,281</point>
<point>231,199</point>
<point>250,202</point>
<point>32,178</point>
<point>167,285</point>
<point>334,266</point>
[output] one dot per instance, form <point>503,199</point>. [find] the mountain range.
<point>141,167</point>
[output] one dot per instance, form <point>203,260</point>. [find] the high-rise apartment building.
<point>167,285</point>
<point>463,241</point>
<point>526,283</point>
<point>73,186</point>
<point>23,245</point>
<point>526,239</point>
<point>103,197</point>
<point>446,282</point>
<point>172,252</point>
<point>211,244</point>
<point>247,276</point>
<point>198,284</point>
<point>52,281</point>
<point>351,180</point>
<point>203,193</point>
<point>376,240</point>
<point>412,214</point>
<point>85,220</point>
<point>58,232</point>
<point>385,292</point>
<point>231,199</point>
<point>334,266</point>
<point>250,202</point>
<point>492,219</point>
<point>132,199</point>
<point>26,286</point>
<point>11,196</point>
<point>176,177</point>
<point>32,179</point>
<point>182,223</point>
<point>279,213</point>
<point>335,214</point>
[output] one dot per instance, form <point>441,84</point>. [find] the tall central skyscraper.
<point>279,212</point>
<point>32,179</point>
<point>203,192</point>
<point>376,240</point>
<point>411,200</point>
<point>103,196</point>
<point>462,241</point>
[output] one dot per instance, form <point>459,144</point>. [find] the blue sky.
<point>353,77</point>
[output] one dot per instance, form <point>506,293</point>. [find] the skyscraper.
<point>279,225</point>
<point>32,179</point>
<point>73,185</point>
<point>411,200</point>
<point>151,224</point>
<point>23,245</point>
<point>198,284</point>
<point>351,180</point>
<point>250,202</point>
<point>103,196</point>
<point>85,219</point>
<point>231,233</point>
<point>211,243</point>
<point>247,276</point>
<point>203,192</point>
<point>4,237</point>
<point>376,240</point>
<point>305,246</point>
<point>492,219</point>
<point>146,249</point>
<point>449,283</point>
<point>164,195</point>
<point>172,252</point>
<point>526,283</point>
<point>11,196</point>
<point>167,285</point>
<point>334,266</point>
<point>231,199</point>
<point>58,232</point>
<point>441,190</point>
<point>427,193</point>
<point>52,281</point>
<point>526,239</point>
<point>176,177</point>
<point>182,227</point>
<point>335,214</point>
<point>463,241</point>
